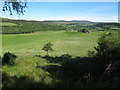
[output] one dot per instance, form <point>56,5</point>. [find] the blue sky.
<point>92,11</point>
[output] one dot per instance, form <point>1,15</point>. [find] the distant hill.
<point>12,26</point>
<point>73,22</point>
<point>68,22</point>
<point>57,21</point>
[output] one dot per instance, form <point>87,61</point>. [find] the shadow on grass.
<point>25,82</point>
<point>72,68</point>
<point>82,72</point>
<point>21,82</point>
<point>76,72</point>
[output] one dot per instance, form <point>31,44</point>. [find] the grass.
<point>36,72</point>
<point>26,66</point>
<point>8,24</point>
<point>26,46</point>
<point>26,72</point>
<point>74,43</point>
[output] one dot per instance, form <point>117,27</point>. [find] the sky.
<point>92,11</point>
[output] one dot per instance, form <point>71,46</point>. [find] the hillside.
<point>10,26</point>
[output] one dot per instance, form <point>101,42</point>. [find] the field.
<point>74,43</point>
<point>8,24</point>
<point>26,46</point>
<point>34,70</point>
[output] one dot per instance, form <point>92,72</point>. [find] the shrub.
<point>108,51</point>
<point>85,31</point>
<point>91,53</point>
<point>8,58</point>
<point>66,56</point>
<point>108,46</point>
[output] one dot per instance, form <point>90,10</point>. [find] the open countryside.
<point>60,53</point>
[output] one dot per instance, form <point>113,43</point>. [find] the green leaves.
<point>17,5</point>
<point>48,47</point>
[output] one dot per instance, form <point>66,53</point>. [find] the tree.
<point>48,47</point>
<point>15,5</point>
<point>108,51</point>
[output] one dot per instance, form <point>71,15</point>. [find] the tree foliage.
<point>15,5</point>
<point>108,52</point>
<point>108,46</point>
<point>48,47</point>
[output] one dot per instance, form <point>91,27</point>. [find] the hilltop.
<point>73,22</point>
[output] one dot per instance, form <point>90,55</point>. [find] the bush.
<point>108,47</point>
<point>85,31</point>
<point>66,56</point>
<point>91,54</point>
<point>8,58</point>
<point>108,52</point>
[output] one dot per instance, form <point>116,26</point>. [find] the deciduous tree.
<point>48,47</point>
<point>15,5</point>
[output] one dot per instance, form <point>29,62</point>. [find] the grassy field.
<point>26,46</point>
<point>74,43</point>
<point>8,24</point>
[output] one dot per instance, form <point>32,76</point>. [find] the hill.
<point>73,22</point>
<point>11,26</point>
<point>54,21</point>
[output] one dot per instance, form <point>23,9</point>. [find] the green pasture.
<point>74,43</point>
<point>26,46</point>
<point>8,24</point>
